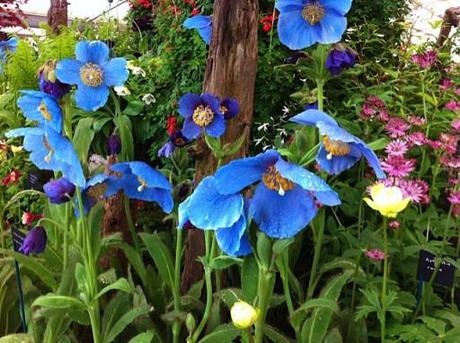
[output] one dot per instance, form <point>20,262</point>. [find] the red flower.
<point>11,178</point>
<point>171,124</point>
<point>267,22</point>
<point>28,217</point>
<point>195,11</point>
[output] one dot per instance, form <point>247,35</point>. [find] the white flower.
<point>137,71</point>
<point>121,90</point>
<point>149,99</point>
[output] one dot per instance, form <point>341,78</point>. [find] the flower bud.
<point>340,58</point>
<point>190,323</point>
<point>114,145</point>
<point>48,83</point>
<point>243,315</point>
<point>59,191</point>
<point>34,242</point>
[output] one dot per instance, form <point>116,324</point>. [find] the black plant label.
<point>426,264</point>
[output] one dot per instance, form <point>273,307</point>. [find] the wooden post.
<point>451,19</point>
<point>230,71</point>
<point>57,14</point>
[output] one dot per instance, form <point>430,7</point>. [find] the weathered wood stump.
<point>451,19</point>
<point>57,15</point>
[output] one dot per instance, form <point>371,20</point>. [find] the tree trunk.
<point>451,19</point>
<point>57,15</point>
<point>230,71</point>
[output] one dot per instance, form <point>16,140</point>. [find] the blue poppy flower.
<point>99,187</point>
<point>34,242</point>
<point>48,83</point>
<point>41,107</point>
<point>207,209</point>
<point>339,150</point>
<point>203,24</point>
<point>229,108</point>
<point>8,46</point>
<point>59,191</point>
<point>284,198</point>
<point>201,113</point>
<point>340,58</point>
<point>51,151</point>
<point>303,23</point>
<point>140,181</point>
<point>176,140</point>
<point>93,73</point>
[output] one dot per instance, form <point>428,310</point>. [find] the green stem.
<point>265,292</point>
<point>66,236</point>
<point>284,273</point>
<point>130,221</point>
<point>316,258</point>
<point>385,280</point>
<point>116,103</point>
<point>176,291</point>
<point>320,95</point>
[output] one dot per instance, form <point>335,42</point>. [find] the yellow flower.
<point>243,315</point>
<point>389,201</point>
<point>15,149</point>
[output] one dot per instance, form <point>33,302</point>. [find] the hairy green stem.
<point>176,291</point>
<point>316,258</point>
<point>130,221</point>
<point>385,280</point>
<point>265,292</point>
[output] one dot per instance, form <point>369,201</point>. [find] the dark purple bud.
<point>114,144</point>
<point>294,57</point>
<point>34,242</point>
<point>229,107</point>
<point>178,139</point>
<point>48,83</point>
<point>340,58</point>
<point>59,191</point>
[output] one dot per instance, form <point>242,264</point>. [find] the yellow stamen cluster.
<point>274,181</point>
<point>92,75</point>
<point>203,116</point>
<point>49,148</point>
<point>313,13</point>
<point>44,111</point>
<point>335,148</point>
<point>143,184</point>
<point>223,109</point>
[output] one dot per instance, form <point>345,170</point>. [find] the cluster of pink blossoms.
<point>425,60</point>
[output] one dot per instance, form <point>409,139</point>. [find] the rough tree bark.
<point>230,71</point>
<point>57,14</point>
<point>451,19</point>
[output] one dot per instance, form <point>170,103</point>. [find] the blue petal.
<point>68,71</point>
<point>289,5</point>
<point>188,103</point>
<point>206,34</point>
<point>91,99</point>
<point>210,210</point>
<point>242,173</point>
<point>211,101</point>
<point>197,22</point>
<point>342,7</point>
<point>115,72</point>
<point>96,52</point>
<point>282,216</point>
<point>294,31</point>
<point>183,213</point>
<point>25,131</point>
<point>337,164</point>
<point>190,130</point>
<point>162,197</point>
<point>312,117</point>
<point>373,160</point>
<point>229,239</point>
<point>333,25</point>
<point>245,246</point>
<point>30,102</point>
<point>233,108</point>
<point>152,177</point>
<point>217,126</point>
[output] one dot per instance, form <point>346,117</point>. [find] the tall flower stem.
<point>176,290</point>
<point>130,221</point>
<point>385,279</point>
<point>67,210</point>
<point>316,256</point>
<point>265,292</point>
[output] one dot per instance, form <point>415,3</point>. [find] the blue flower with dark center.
<point>140,181</point>
<point>284,198</point>
<point>340,58</point>
<point>207,209</point>
<point>34,242</point>
<point>41,107</point>
<point>203,24</point>
<point>176,140</point>
<point>48,83</point>
<point>201,113</point>
<point>339,150</point>
<point>93,73</point>
<point>303,23</point>
<point>51,151</point>
<point>98,188</point>
<point>59,191</point>
<point>229,107</point>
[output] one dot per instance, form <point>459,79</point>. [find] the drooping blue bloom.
<point>51,151</point>
<point>176,140</point>
<point>311,106</point>
<point>41,107</point>
<point>8,46</point>
<point>339,150</point>
<point>93,73</point>
<point>229,107</point>
<point>140,181</point>
<point>59,191</point>
<point>167,150</point>
<point>34,242</point>
<point>48,83</point>
<point>99,187</point>
<point>284,198</point>
<point>201,113</point>
<point>203,24</point>
<point>207,209</point>
<point>340,58</point>
<point>303,23</point>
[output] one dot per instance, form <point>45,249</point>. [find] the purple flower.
<point>201,113</point>
<point>229,108</point>
<point>59,191</point>
<point>48,82</point>
<point>176,140</point>
<point>311,106</point>
<point>426,59</point>
<point>340,58</point>
<point>167,150</point>
<point>113,144</point>
<point>34,242</point>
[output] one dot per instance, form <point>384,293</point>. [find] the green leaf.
<point>80,276</point>
<point>378,144</point>
<point>59,302</point>
<point>280,245</point>
<point>161,257</point>
<point>134,108</point>
<point>320,302</point>
<point>145,337</point>
<point>223,262</point>
<point>249,278</point>
<point>274,335</point>
<point>264,250</point>
<point>233,148</point>
<point>121,284</point>
<point>229,296</point>
<point>214,144</point>
<point>333,336</point>
<point>84,134</point>
<point>124,321</point>
<point>135,260</point>
<point>225,333</point>
<point>18,338</point>
<point>123,124</point>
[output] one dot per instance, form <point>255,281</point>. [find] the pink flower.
<point>416,138</point>
<point>375,254</point>
<point>416,190</point>
<point>453,181</point>
<point>28,217</point>
<point>449,142</point>
<point>425,60</point>
<point>397,147</point>
<point>417,121</point>
<point>452,105</point>
<point>374,107</point>
<point>11,178</point>
<point>398,166</point>
<point>456,124</point>
<point>457,91</point>
<point>454,198</point>
<point>394,224</point>
<point>396,127</point>
<point>456,211</point>
<point>434,144</point>
<point>449,161</point>
<point>446,84</point>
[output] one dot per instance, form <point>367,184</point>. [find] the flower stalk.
<point>385,279</point>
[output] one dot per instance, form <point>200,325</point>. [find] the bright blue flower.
<point>93,73</point>
<point>41,107</point>
<point>8,46</point>
<point>207,209</point>
<point>59,191</point>
<point>201,113</point>
<point>303,23</point>
<point>203,24</point>
<point>230,108</point>
<point>339,150</point>
<point>51,151</point>
<point>140,181</point>
<point>99,187</point>
<point>284,198</point>
<point>34,242</point>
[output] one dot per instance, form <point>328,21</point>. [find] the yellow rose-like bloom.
<point>389,201</point>
<point>243,315</point>
<point>15,149</point>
